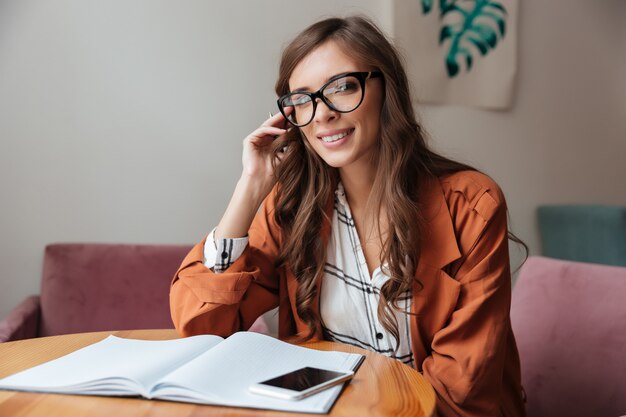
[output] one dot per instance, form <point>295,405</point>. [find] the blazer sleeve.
<point>205,302</point>
<point>469,354</point>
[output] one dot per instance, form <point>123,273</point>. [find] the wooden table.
<point>381,387</point>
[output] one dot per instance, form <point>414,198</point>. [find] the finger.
<point>262,141</point>
<point>268,131</point>
<point>278,119</point>
<point>273,120</point>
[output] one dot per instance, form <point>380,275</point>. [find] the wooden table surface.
<point>381,387</point>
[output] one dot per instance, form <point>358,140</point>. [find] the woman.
<point>364,236</point>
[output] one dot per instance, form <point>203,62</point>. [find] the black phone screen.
<point>302,379</point>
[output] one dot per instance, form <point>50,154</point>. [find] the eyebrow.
<point>306,89</point>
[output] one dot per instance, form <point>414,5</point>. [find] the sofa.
<point>87,287</point>
<point>569,321</point>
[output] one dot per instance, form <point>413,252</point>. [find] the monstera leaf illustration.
<point>427,5</point>
<point>482,23</point>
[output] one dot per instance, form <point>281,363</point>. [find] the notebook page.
<point>105,367</point>
<point>224,374</point>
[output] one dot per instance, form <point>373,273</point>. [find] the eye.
<point>302,100</point>
<point>346,85</point>
<point>296,100</point>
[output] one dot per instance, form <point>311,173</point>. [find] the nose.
<point>323,113</point>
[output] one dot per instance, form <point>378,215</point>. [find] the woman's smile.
<point>335,137</point>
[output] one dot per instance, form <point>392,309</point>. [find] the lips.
<point>335,135</point>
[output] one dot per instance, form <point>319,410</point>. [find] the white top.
<point>349,296</point>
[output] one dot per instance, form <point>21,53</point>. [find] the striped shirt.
<point>349,295</point>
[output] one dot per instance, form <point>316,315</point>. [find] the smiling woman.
<point>365,236</point>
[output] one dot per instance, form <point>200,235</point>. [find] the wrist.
<point>254,189</point>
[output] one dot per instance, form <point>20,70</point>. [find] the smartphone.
<point>300,383</point>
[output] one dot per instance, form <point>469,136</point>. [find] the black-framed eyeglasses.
<point>342,93</point>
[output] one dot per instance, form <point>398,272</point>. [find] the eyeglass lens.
<point>343,94</point>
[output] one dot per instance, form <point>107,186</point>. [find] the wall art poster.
<point>459,51</point>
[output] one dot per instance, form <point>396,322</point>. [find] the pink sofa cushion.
<point>92,287</point>
<point>569,320</point>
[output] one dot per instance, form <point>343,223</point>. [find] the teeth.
<point>334,138</point>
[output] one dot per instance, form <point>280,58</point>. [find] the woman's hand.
<point>257,153</point>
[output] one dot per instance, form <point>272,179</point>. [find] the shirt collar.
<point>340,193</point>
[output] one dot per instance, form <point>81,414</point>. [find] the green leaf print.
<point>482,24</point>
<point>427,5</point>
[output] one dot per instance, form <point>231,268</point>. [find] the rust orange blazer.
<point>461,332</point>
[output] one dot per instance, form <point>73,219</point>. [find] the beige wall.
<point>122,121</point>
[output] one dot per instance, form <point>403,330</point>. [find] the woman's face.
<point>342,140</point>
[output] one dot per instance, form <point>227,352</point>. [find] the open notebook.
<point>200,369</point>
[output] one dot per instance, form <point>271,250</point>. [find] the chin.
<point>336,162</point>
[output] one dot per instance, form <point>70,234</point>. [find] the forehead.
<point>319,65</point>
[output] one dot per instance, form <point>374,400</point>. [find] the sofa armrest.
<point>22,322</point>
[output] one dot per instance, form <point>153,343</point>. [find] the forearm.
<point>243,206</point>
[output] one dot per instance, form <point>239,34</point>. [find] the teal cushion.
<point>585,233</point>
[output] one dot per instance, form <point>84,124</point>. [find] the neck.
<point>357,182</point>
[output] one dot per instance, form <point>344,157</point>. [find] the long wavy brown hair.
<point>306,182</point>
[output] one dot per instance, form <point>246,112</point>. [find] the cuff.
<point>219,255</point>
